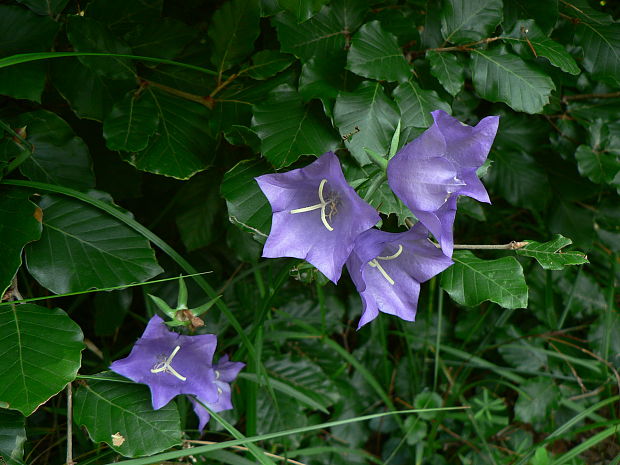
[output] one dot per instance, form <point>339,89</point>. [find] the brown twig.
<point>568,98</point>
<point>457,48</point>
<point>207,101</point>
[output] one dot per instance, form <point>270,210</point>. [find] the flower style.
<point>170,364</point>
<point>430,172</point>
<point>387,269</point>
<point>225,373</point>
<point>316,215</point>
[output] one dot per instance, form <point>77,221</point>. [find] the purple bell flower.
<point>171,364</point>
<point>387,269</point>
<point>430,172</point>
<point>316,215</point>
<point>225,373</point>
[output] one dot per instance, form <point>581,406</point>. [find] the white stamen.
<point>375,264</point>
<point>321,206</point>
<point>217,374</point>
<point>164,367</point>
<point>219,391</point>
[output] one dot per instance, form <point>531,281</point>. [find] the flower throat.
<point>328,206</point>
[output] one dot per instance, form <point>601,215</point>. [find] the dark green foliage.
<point>117,170</point>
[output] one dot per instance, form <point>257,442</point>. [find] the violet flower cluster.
<point>318,217</point>
<point>171,364</point>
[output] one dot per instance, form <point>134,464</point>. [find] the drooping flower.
<point>316,215</point>
<point>171,364</point>
<point>225,373</point>
<point>387,269</point>
<point>430,172</point>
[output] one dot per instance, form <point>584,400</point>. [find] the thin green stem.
<point>28,57</point>
<point>375,185</point>
<point>438,336</point>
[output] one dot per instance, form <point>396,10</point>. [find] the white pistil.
<point>165,367</point>
<point>321,206</point>
<point>375,264</point>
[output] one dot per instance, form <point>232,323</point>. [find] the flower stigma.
<point>165,367</point>
<point>375,264</point>
<point>331,201</point>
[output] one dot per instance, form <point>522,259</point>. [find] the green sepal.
<point>395,141</point>
<point>163,306</point>
<point>182,299</point>
<point>377,159</point>
<point>204,307</point>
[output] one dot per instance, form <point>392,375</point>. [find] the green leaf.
<point>12,436</point>
<point>323,77</point>
<point>539,395</point>
<point>234,28</point>
<point>416,104</point>
<point>25,81</point>
<point>19,227</point>
<point>544,13</point>
<point>40,354</point>
<point>181,145</point>
<point>550,255</point>
<point>89,35</point>
<point>106,408</point>
<point>248,208</point>
<point>471,281</point>
<point>518,178</point>
<point>268,63</point>
<point>196,207</point>
<point>94,97</point>
<point>504,77</point>
<point>601,49</point>
<point>324,34</point>
<point>373,114</point>
<point>573,221</point>
<point>531,41</point>
<point>45,7</point>
<point>59,156</point>
<point>23,31</point>
<point>131,123</point>
<point>448,71</point>
<point>288,129</point>
<point>302,9</point>
<point>598,166</point>
<point>304,376</point>
<point>375,54</point>
<point>469,20</point>
<point>110,310</point>
<point>161,38</point>
<point>82,248</point>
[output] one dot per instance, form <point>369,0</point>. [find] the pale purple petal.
<point>304,234</point>
<point>189,370</point>
<point>419,174</point>
<point>387,270</point>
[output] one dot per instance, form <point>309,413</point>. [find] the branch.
<point>207,101</point>
<point>512,245</point>
<point>193,441</point>
<point>568,98</point>
<point>458,48</point>
<point>69,425</point>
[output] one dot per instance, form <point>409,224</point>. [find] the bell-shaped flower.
<point>431,171</point>
<point>316,215</point>
<point>225,373</point>
<point>171,364</point>
<point>387,269</point>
